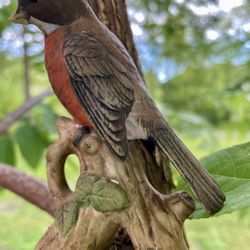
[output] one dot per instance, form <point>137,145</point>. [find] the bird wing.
<point>103,88</point>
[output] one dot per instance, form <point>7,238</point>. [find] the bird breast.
<point>59,77</point>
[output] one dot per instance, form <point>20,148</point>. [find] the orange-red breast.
<point>97,81</point>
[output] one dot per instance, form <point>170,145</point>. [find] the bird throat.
<point>46,28</point>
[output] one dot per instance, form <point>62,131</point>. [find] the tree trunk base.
<point>110,194</point>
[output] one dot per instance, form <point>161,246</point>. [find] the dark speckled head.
<point>58,12</point>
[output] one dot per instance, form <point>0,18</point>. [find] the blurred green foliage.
<point>6,12</point>
<point>212,79</point>
<point>205,99</point>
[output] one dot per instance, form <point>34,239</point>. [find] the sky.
<point>227,5</point>
<point>223,5</point>
<point>168,66</point>
<point>4,3</point>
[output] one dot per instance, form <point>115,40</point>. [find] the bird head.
<point>49,13</point>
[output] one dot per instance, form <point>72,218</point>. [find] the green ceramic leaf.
<point>103,195</point>
<point>66,217</point>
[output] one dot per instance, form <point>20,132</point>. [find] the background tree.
<point>195,60</point>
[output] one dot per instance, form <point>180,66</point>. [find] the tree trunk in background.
<point>114,200</point>
<point>114,15</point>
<point>26,73</point>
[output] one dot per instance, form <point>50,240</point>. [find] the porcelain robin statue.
<point>96,80</point>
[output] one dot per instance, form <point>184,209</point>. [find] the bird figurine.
<point>97,81</point>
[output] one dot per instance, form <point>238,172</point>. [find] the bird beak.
<point>19,16</point>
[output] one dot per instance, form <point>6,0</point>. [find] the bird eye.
<point>33,1</point>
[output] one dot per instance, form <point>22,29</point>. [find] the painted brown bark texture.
<point>125,199</point>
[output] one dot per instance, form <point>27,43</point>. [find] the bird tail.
<point>203,185</point>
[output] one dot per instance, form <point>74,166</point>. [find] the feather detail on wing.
<point>102,86</point>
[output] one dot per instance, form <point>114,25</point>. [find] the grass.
<point>22,224</point>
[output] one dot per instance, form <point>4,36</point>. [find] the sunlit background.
<point>195,55</point>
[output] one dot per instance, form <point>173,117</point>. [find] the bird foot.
<point>79,133</point>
